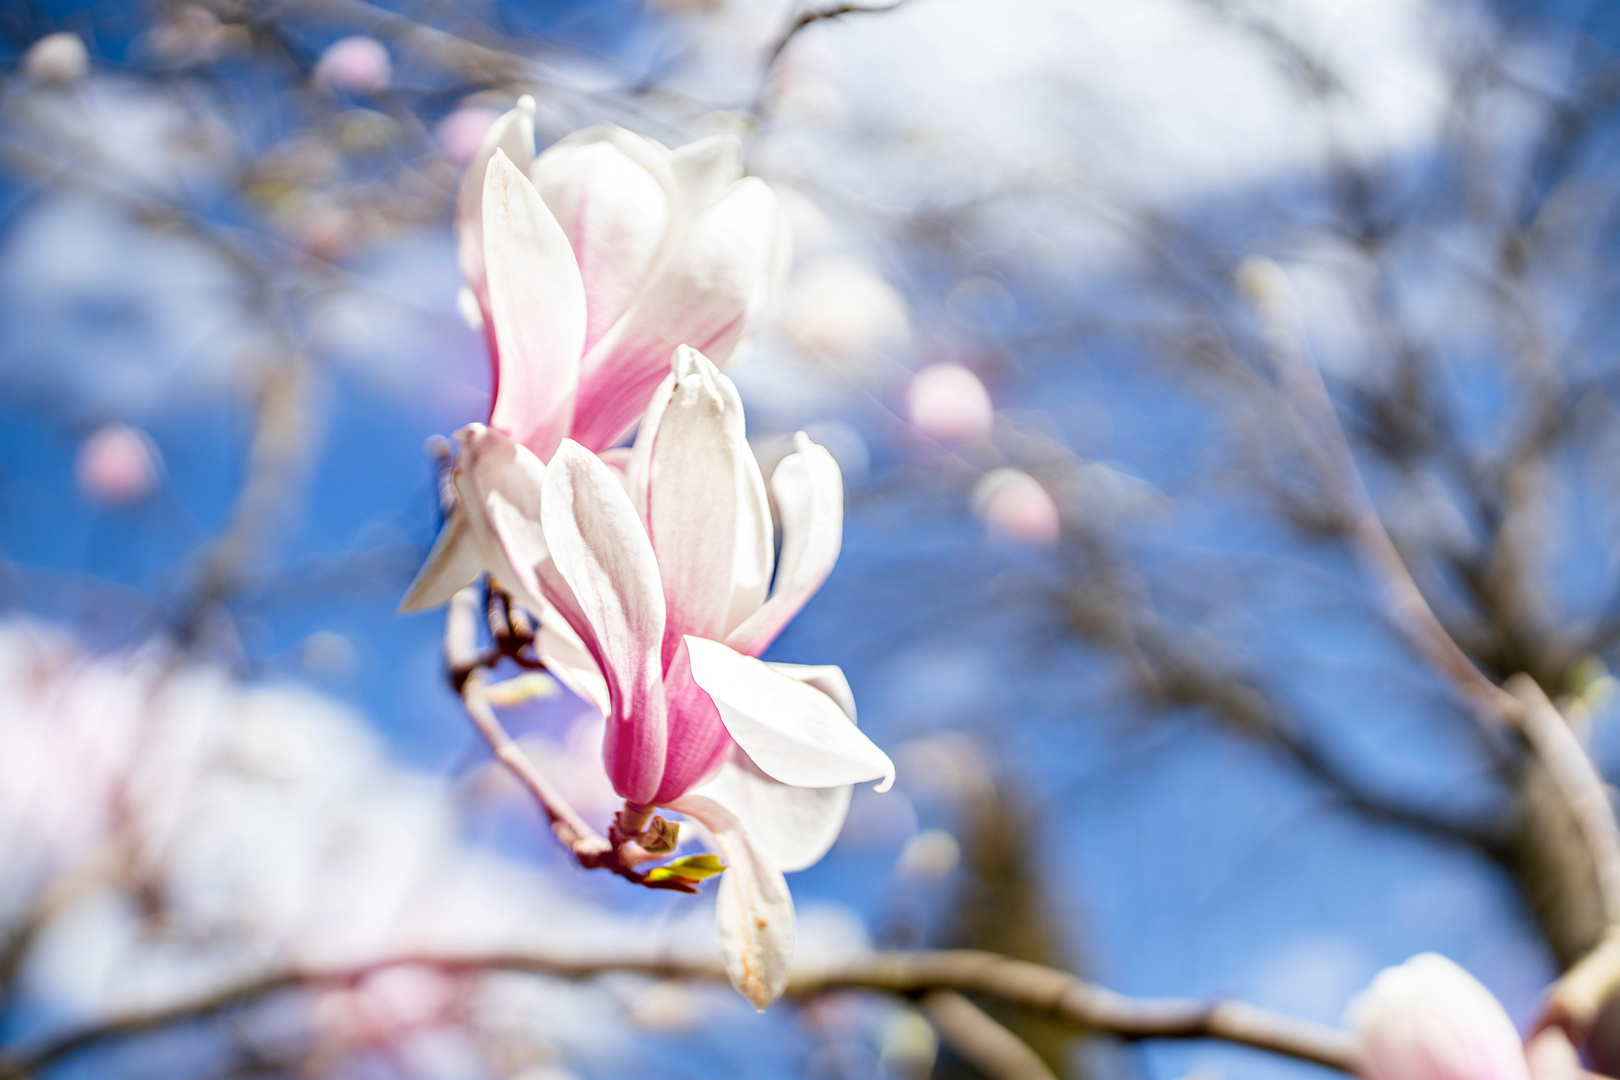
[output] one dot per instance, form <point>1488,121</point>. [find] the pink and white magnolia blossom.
<point>585,267</point>
<point>657,587</point>
<point>1428,1019</point>
<point>588,264</point>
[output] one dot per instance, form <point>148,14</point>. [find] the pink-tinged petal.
<point>452,565</point>
<point>599,548</point>
<point>513,135</point>
<point>793,732</point>
<point>706,509</point>
<point>615,215</point>
<point>810,497</point>
<point>754,910</point>
<point>1428,1019</point>
<point>571,664</point>
<point>703,297</point>
<point>697,743</point>
<point>536,312</point>
<point>796,825</point>
<point>1551,1056</point>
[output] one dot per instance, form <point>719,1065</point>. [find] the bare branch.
<point>979,1040</point>
<point>1042,990</point>
<point>811,16</point>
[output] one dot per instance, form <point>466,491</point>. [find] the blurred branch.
<point>1042,990</point>
<point>976,1037</point>
<point>810,16</point>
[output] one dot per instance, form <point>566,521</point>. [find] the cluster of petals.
<point>588,264</point>
<point>652,569</point>
<point>1428,1019</point>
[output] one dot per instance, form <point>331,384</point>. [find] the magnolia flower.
<point>656,592</point>
<point>588,264</point>
<point>1428,1019</point>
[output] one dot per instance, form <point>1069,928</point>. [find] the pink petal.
<point>754,910</point>
<point>948,403</point>
<point>1428,1019</point>
<point>571,663</point>
<point>599,548</point>
<point>512,134</point>
<point>793,732</point>
<point>706,509</point>
<point>810,497</point>
<point>615,215</point>
<point>697,743</point>
<point>706,297</point>
<point>536,310</point>
<point>498,490</point>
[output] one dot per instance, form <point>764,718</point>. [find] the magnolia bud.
<point>358,65</point>
<point>1015,507</point>
<point>947,402</point>
<point>462,132</point>
<point>117,464</point>
<point>56,58</point>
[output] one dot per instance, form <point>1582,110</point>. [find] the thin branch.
<point>1042,990</point>
<point>811,16</point>
<point>979,1040</point>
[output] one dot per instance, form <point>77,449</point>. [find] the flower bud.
<point>1016,508</point>
<point>357,65</point>
<point>56,58</point>
<point>1428,1019</point>
<point>948,403</point>
<point>117,464</point>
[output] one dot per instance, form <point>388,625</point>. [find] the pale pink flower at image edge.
<point>1429,1019</point>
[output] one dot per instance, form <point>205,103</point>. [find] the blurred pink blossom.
<point>947,402</point>
<point>1015,507</point>
<point>1428,1019</point>
<point>357,65</point>
<point>462,132</point>
<point>117,464</point>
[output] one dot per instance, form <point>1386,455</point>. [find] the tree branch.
<point>1041,990</point>
<point>979,1040</point>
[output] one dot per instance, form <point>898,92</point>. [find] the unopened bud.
<point>56,58</point>
<point>358,65</point>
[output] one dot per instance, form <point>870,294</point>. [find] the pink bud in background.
<point>56,58</point>
<point>462,132</point>
<point>948,403</point>
<point>1016,508</point>
<point>1428,1019</point>
<point>359,65</point>
<point>117,464</point>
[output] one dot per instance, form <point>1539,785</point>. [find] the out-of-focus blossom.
<point>930,855</point>
<point>56,58</point>
<point>654,589</point>
<point>1015,507</point>
<point>117,464</point>
<point>1428,1019</point>
<point>462,132</point>
<point>592,261</point>
<point>840,309</point>
<point>191,34</point>
<point>948,403</point>
<point>355,65</point>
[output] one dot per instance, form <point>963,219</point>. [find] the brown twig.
<point>979,1040</point>
<point>1041,990</point>
<point>811,16</point>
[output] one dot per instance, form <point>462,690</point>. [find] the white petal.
<point>797,825</point>
<point>498,481</point>
<point>566,657</point>
<point>754,910</point>
<point>828,678</point>
<point>512,134</point>
<point>795,733</point>
<point>706,510</point>
<point>614,213</point>
<point>536,310</point>
<point>704,170</point>
<point>452,565</point>
<point>810,497</point>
